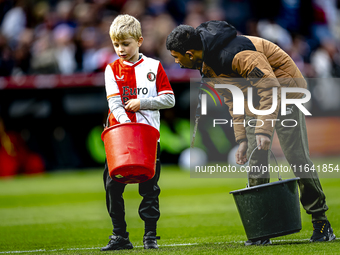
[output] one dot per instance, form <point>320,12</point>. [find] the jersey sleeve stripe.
<point>165,92</point>
<point>113,95</point>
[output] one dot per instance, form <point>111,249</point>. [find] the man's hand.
<point>132,105</point>
<point>240,156</point>
<point>263,142</point>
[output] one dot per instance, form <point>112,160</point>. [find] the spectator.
<point>14,23</point>
<point>6,57</point>
<point>65,49</point>
<point>325,19</point>
<point>326,59</point>
<point>22,54</point>
<point>44,59</point>
<point>90,42</point>
<point>326,64</point>
<point>64,10</point>
<point>273,32</point>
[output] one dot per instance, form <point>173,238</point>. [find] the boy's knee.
<point>149,190</point>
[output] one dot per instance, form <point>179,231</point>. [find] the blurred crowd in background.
<point>65,37</point>
<point>63,126</point>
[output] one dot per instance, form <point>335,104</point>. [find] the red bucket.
<point>131,151</point>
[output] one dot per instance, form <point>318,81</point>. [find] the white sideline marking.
<point>138,246</point>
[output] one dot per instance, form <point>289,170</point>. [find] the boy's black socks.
<point>150,226</point>
<point>120,233</point>
<point>150,232</point>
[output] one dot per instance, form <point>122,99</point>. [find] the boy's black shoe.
<point>118,242</point>
<point>322,231</point>
<point>150,240</point>
<point>259,242</point>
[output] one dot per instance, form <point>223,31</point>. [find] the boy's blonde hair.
<point>125,26</point>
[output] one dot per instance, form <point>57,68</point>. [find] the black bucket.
<point>269,210</point>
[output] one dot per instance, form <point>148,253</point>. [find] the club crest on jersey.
<point>151,76</point>
<point>120,78</point>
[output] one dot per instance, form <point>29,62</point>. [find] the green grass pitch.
<point>65,213</point>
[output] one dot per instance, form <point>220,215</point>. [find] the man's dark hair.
<point>184,38</point>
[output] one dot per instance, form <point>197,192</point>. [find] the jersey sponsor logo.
<point>151,76</point>
<point>120,78</point>
<point>127,92</point>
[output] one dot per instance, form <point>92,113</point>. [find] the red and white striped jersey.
<point>145,78</point>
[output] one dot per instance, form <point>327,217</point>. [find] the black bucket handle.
<point>251,154</point>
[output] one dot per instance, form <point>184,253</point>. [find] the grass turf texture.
<point>64,213</point>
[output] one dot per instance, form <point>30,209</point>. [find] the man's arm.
<point>255,67</point>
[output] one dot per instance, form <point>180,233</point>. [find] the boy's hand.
<point>240,156</point>
<point>132,105</point>
<point>263,142</point>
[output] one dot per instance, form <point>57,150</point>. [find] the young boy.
<point>134,84</point>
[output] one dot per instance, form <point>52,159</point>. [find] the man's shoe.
<point>322,231</point>
<point>150,240</point>
<point>118,242</point>
<point>259,242</point>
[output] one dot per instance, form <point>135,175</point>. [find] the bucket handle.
<point>108,116</point>
<point>251,154</point>
<point>194,133</point>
